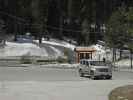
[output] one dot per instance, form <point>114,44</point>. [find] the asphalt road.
<point>30,83</point>
<point>50,74</point>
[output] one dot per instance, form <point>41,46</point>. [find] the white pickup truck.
<point>95,69</point>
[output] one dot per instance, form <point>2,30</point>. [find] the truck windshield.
<point>97,63</point>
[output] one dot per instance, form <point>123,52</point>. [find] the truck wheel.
<point>81,74</point>
<point>109,78</point>
<point>92,75</point>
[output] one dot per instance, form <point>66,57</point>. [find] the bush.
<point>46,61</point>
<point>25,60</point>
<point>62,60</point>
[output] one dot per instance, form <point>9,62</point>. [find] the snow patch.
<point>61,43</point>
<point>56,51</point>
<point>100,52</point>
<point>20,49</point>
<point>65,66</point>
<point>123,63</point>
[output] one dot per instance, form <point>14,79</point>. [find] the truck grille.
<point>103,70</point>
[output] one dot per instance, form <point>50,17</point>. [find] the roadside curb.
<point>56,66</point>
<point>59,66</point>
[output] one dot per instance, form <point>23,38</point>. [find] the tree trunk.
<point>40,39</point>
<point>131,58</point>
<point>120,54</point>
<point>113,54</point>
<point>61,27</point>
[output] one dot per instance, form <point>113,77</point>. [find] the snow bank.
<point>20,49</point>
<point>62,66</point>
<point>56,51</point>
<point>58,43</point>
<point>123,63</point>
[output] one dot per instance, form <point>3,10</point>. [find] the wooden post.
<point>78,57</point>
<point>91,55</point>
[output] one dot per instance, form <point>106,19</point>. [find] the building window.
<point>81,55</point>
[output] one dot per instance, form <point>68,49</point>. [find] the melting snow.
<point>61,43</point>
<point>20,49</point>
<point>56,51</point>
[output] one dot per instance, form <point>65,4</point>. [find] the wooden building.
<point>84,53</point>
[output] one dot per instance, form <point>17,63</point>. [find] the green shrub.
<point>62,60</point>
<point>46,61</point>
<point>25,60</point>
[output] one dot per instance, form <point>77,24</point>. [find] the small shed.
<point>84,53</point>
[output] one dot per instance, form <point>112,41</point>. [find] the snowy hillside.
<point>58,43</point>
<point>48,49</point>
<point>20,49</point>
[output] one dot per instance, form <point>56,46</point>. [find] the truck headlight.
<point>94,69</point>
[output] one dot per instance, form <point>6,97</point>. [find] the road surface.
<point>30,83</point>
<point>51,74</point>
